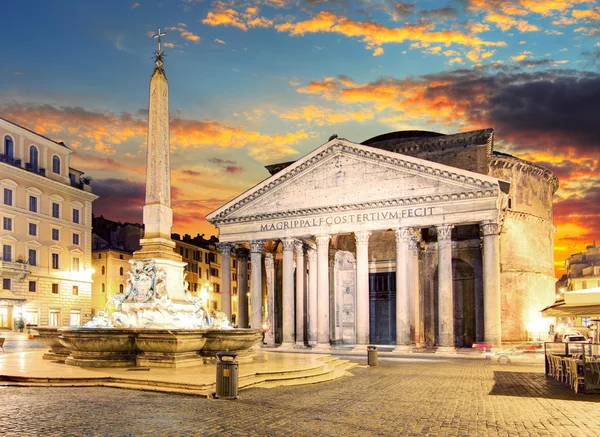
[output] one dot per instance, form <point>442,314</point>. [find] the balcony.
<point>10,160</point>
<point>17,270</point>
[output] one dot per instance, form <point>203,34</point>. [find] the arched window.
<point>103,288</point>
<point>33,157</point>
<point>56,164</point>
<point>9,149</point>
<point>121,288</point>
<point>121,271</point>
<point>102,269</point>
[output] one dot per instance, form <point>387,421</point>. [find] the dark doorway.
<point>382,308</point>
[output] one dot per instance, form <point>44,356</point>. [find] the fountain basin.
<point>48,336</point>
<point>233,340</point>
<point>99,347</point>
<point>168,348</point>
<point>148,347</point>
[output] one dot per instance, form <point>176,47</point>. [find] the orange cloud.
<point>223,16</point>
<point>375,35</point>
<point>323,116</point>
<point>186,34</point>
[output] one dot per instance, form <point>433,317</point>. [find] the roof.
<point>402,135</point>
<point>60,143</point>
<point>563,309</point>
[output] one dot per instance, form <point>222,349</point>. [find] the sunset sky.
<point>254,83</point>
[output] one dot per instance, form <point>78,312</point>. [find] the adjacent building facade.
<point>410,238</point>
<point>46,232</point>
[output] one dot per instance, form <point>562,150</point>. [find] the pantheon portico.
<point>370,243</point>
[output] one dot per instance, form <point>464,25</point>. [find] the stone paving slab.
<point>405,397</point>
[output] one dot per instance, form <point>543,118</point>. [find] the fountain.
<point>157,322</point>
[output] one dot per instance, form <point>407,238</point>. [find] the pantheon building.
<point>410,239</point>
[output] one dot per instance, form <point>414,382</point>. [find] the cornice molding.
<point>350,207</point>
<point>51,183</point>
<point>370,155</point>
<point>512,162</point>
<point>525,217</point>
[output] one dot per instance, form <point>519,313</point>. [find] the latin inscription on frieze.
<point>361,217</point>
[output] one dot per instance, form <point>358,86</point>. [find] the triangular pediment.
<point>341,175</point>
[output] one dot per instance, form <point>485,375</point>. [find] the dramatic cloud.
<point>228,165</point>
<point>186,34</point>
<point>119,199</point>
<point>323,116</point>
<point>105,133</point>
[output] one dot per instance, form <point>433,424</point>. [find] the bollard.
<point>372,359</point>
<point>227,376</point>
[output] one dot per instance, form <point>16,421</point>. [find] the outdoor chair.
<point>550,359</point>
<point>577,378</point>
<point>559,369</point>
<point>569,371</point>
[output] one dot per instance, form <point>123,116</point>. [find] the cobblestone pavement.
<point>459,397</point>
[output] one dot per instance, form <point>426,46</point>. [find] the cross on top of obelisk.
<point>158,55</point>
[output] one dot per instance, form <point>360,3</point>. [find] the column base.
<point>446,350</point>
<point>403,348</point>
<point>325,347</point>
<point>286,345</point>
<point>360,348</point>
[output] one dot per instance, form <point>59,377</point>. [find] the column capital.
<point>489,228</point>
<point>444,232</point>
<point>269,261</point>
<point>402,235</point>
<point>311,254</point>
<point>288,244</point>
<point>256,246</point>
<point>225,248</point>
<point>414,242</point>
<point>362,237</point>
<point>299,246</point>
<point>322,240</point>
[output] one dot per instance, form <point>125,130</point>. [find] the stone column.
<point>414,298</point>
<point>402,308</point>
<point>491,284</point>
<point>226,278</point>
<point>270,320</point>
<point>288,291</point>
<point>256,284</point>
<point>242,262</point>
<point>300,277</point>
<point>445,301</point>
<point>323,290</point>
<point>312,310</point>
<point>362,287</point>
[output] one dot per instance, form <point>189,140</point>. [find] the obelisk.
<point>158,215</point>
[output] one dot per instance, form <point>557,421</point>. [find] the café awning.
<point>562,309</point>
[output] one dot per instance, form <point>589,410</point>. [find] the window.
<point>121,288</point>
<point>54,288</point>
<point>55,210</point>
<point>75,264</point>
<point>187,253</point>
<point>33,229</point>
<point>55,261</point>
<point>34,157</point>
<point>33,204</point>
<point>31,317</point>
<point>214,305</point>
<point>75,318</point>
<point>8,196</point>
<point>235,291</point>
<point>103,269</point>
<point>76,239</point>
<point>56,164</point>
<point>121,271</point>
<point>234,276</point>
<point>9,147</point>
<point>584,285</point>
<point>214,272</point>
<point>7,224</point>
<point>6,283</point>
<point>53,317</point>
<point>6,252</point>
<point>75,215</point>
<point>217,288</point>
<point>121,256</point>
<point>194,287</point>
<point>55,234</point>
<point>32,286</point>
<point>75,290</point>
<point>235,263</point>
<point>181,251</point>
<point>32,259</point>
<point>99,256</point>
